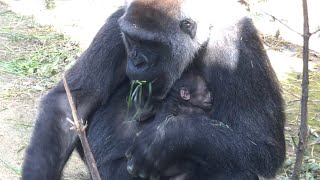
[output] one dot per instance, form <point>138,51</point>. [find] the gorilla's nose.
<point>139,60</point>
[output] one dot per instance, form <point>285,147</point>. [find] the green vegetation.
<point>32,59</point>
<point>50,4</point>
<point>34,50</point>
<point>292,91</point>
<point>137,89</point>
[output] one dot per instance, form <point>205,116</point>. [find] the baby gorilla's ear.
<point>184,93</point>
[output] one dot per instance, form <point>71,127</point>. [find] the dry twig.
<point>284,24</point>
<point>315,32</point>
<point>303,135</point>
<point>80,129</point>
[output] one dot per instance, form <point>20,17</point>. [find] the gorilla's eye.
<point>189,26</point>
<point>186,24</point>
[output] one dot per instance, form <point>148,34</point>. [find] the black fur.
<point>188,98</point>
<point>247,99</point>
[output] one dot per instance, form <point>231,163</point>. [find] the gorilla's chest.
<point>112,130</point>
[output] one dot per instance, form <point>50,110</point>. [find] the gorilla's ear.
<point>189,26</point>
<point>184,93</point>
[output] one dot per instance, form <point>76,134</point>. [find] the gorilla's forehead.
<point>151,17</point>
<point>153,13</point>
<point>166,7</point>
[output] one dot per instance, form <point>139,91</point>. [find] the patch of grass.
<point>310,169</point>
<point>50,4</point>
<point>11,167</point>
<point>33,50</point>
<point>292,95</point>
<point>43,61</point>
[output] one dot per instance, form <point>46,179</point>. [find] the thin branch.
<point>317,141</point>
<point>287,26</point>
<point>303,135</point>
<point>247,4</point>
<point>314,102</point>
<point>80,129</point>
<point>12,51</point>
<point>315,32</point>
<point>293,142</point>
<point>290,92</point>
<point>273,17</point>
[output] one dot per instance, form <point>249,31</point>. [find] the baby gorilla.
<point>189,97</point>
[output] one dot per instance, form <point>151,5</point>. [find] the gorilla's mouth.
<point>138,71</point>
<point>149,74</point>
<point>206,105</point>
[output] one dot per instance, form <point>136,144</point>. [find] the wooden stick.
<point>80,128</point>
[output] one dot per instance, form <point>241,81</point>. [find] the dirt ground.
<point>19,95</point>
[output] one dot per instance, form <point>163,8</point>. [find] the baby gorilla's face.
<point>198,94</point>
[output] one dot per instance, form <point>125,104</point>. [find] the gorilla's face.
<point>146,58</point>
<point>160,42</point>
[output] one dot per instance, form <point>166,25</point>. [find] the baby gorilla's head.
<point>192,91</point>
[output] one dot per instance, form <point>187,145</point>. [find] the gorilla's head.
<point>161,38</point>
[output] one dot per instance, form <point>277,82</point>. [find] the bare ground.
<point>19,97</point>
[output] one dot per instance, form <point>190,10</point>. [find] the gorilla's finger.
<point>128,153</point>
<point>132,169</point>
<point>154,177</point>
<point>143,174</point>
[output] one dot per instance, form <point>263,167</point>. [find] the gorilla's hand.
<point>155,148</point>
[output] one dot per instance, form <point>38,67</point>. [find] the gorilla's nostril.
<point>139,60</point>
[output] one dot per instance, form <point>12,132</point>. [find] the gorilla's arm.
<point>219,148</point>
<point>93,78</point>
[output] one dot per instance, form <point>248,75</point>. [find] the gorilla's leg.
<point>52,142</point>
<point>236,176</point>
<point>115,169</point>
<point>99,71</point>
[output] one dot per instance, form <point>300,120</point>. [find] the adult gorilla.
<point>160,40</point>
